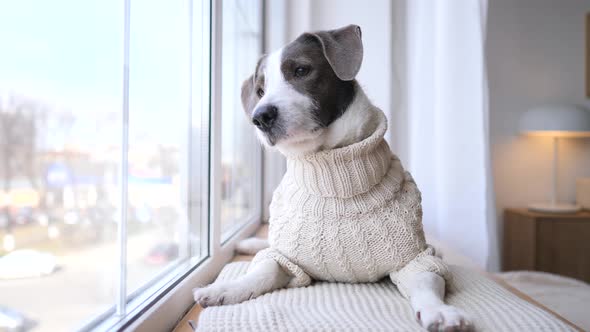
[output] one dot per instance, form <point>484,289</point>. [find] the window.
<point>104,172</point>
<point>241,154</point>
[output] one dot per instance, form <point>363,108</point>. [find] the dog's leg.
<point>251,246</point>
<point>264,277</point>
<point>427,292</point>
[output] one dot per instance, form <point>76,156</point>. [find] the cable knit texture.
<point>330,306</point>
<point>350,214</point>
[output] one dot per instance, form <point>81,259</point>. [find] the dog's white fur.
<point>357,123</point>
<point>301,131</point>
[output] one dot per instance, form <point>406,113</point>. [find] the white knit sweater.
<point>350,214</point>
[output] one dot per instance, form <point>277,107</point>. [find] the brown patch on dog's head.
<point>331,60</point>
<point>343,49</point>
<point>299,90</point>
<point>256,81</point>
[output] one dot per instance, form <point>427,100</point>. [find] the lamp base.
<point>554,207</point>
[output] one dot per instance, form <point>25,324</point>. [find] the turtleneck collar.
<point>347,171</point>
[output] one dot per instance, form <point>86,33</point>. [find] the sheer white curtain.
<point>440,119</point>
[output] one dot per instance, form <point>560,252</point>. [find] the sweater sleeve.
<point>299,277</point>
<point>426,261</point>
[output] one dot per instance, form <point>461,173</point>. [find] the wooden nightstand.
<point>556,243</point>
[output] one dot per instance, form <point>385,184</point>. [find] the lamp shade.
<point>556,120</point>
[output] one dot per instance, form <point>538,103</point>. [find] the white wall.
<point>536,55</point>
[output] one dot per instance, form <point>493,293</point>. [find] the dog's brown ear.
<point>343,48</point>
<point>248,96</point>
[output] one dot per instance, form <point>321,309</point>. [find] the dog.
<point>303,99</point>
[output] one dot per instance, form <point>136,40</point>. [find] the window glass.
<point>61,133</point>
<point>60,104</point>
<point>159,127</point>
<point>241,180</point>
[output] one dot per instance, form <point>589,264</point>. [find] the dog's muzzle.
<point>264,117</point>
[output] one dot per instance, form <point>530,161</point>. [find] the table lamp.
<point>556,121</point>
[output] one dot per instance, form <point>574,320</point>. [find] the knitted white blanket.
<point>379,306</point>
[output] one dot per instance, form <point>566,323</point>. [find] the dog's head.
<point>297,91</point>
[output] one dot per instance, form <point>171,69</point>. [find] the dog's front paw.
<point>221,293</point>
<point>443,318</point>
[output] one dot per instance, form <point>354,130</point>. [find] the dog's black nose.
<point>264,117</point>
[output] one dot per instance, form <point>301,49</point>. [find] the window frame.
<point>226,234</point>
<point>161,303</point>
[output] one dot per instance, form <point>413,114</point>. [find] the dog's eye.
<point>301,71</point>
<point>260,93</point>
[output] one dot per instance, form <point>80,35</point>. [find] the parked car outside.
<point>26,263</point>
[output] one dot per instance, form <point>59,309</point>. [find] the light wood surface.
<point>193,313</point>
